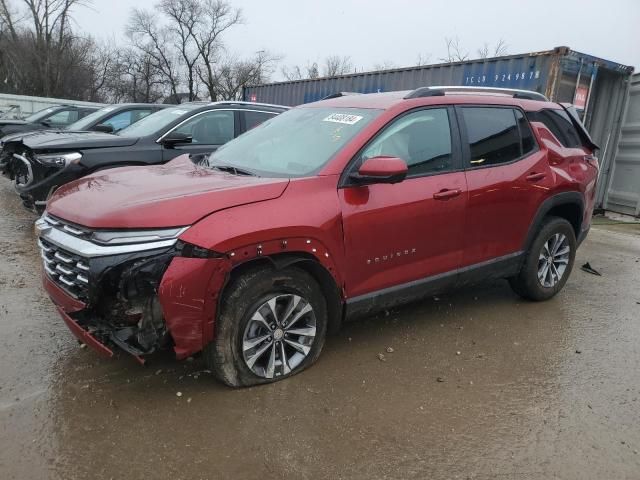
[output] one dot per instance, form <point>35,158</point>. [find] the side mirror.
<point>176,138</point>
<point>103,127</point>
<point>381,170</point>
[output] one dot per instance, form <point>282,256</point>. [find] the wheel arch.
<point>310,264</point>
<point>567,205</point>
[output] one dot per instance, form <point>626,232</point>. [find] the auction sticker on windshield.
<point>343,118</point>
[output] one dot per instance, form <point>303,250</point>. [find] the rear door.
<point>398,233</point>
<point>209,130</point>
<point>508,178</point>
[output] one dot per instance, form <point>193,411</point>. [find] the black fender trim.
<point>330,289</point>
<point>564,198</point>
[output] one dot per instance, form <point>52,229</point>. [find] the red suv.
<point>331,210</point>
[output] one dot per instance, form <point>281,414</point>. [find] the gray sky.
<point>374,31</point>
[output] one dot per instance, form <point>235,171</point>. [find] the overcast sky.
<point>398,31</point>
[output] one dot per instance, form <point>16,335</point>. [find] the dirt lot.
<point>478,384</point>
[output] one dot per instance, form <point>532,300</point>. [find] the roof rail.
<point>242,102</point>
<point>340,94</point>
<point>441,90</point>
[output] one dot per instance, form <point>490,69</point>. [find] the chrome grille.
<point>70,228</point>
<point>67,270</point>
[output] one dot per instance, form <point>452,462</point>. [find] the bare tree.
<point>423,59</point>
<point>300,73</point>
<point>385,65</point>
<point>217,16</point>
<point>455,53</point>
<point>154,41</point>
<point>38,44</point>
<point>185,18</point>
<point>336,65</point>
<point>233,75</point>
<point>499,49</point>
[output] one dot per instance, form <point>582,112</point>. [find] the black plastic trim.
<point>501,267</point>
<point>564,198</point>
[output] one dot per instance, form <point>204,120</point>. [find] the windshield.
<point>155,122</point>
<point>40,114</point>
<point>88,121</point>
<point>296,143</point>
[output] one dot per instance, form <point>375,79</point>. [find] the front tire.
<point>272,324</point>
<point>548,262</point>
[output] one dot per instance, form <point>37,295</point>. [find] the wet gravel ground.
<point>476,384</point>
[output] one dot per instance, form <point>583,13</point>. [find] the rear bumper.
<point>583,235</point>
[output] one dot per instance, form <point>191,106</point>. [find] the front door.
<point>405,232</point>
<point>208,130</point>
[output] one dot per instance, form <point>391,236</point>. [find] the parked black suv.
<point>53,117</point>
<point>110,119</point>
<point>41,163</point>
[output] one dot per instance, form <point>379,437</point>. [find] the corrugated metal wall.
<point>623,192</point>
<point>529,71</point>
<point>29,105</point>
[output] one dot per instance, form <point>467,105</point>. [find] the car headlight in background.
<point>59,159</point>
<point>124,237</point>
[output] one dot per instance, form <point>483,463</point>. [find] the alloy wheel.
<point>553,260</point>
<point>279,335</point>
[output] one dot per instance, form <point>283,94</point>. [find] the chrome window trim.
<point>275,114</point>
<point>197,115</point>
<point>88,249</point>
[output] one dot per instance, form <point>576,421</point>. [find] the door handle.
<point>534,177</point>
<point>446,194</point>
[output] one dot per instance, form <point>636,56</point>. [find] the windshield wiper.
<point>234,170</point>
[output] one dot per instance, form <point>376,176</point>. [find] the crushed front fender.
<point>189,293</point>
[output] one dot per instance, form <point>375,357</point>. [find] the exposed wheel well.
<point>572,212</point>
<point>308,263</point>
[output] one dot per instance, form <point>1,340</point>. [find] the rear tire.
<point>548,262</point>
<point>272,325</point>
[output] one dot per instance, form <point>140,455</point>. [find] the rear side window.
<point>253,119</point>
<point>560,125</point>
<point>493,135</point>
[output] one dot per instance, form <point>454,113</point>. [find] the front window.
<point>296,143</point>
<point>422,139</point>
<point>155,122</point>
<point>209,128</point>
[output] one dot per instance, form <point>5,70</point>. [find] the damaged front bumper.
<point>35,182</point>
<point>135,297</point>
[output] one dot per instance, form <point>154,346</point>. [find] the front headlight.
<point>123,237</point>
<point>59,159</point>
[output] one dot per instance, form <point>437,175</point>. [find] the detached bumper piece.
<point>84,336</point>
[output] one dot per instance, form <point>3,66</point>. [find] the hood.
<point>10,121</point>
<point>67,140</point>
<point>178,193</point>
<point>17,137</point>
<point>13,128</point>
